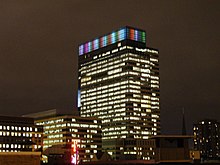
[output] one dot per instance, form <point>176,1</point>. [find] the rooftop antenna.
<point>183,123</point>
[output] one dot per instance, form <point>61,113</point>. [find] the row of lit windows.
<point>111,65</point>
<point>154,59</point>
<point>102,112</point>
<point>155,99</point>
<point>124,136</point>
<point>154,86</point>
<point>134,117</point>
<point>55,136</point>
<point>102,88</point>
<point>102,64</point>
<point>105,108</point>
<point>105,78</point>
<point>50,131</point>
<point>147,50</point>
<point>18,134</point>
<point>16,128</point>
<point>72,124</point>
<point>154,82</point>
<point>98,99</point>
<point>50,122</point>
<point>115,87</point>
<point>12,146</point>
<point>137,130</point>
<point>114,73</point>
<point>105,103</point>
<point>54,141</point>
<point>154,77</point>
<point>85,81</point>
<point>9,150</point>
<point>54,126</point>
<point>155,107</point>
<point>53,123</point>
<point>114,129</point>
<point>108,92</point>
<point>109,95</point>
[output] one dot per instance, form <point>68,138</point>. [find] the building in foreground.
<point>22,158</point>
<point>119,84</point>
<point>19,134</point>
<point>160,149</point>
<point>207,139</point>
<point>171,148</point>
<point>70,137</point>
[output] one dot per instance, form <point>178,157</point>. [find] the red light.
<point>74,155</point>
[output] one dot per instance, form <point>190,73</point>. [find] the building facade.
<point>119,84</point>
<point>78,137</point>
<point>171,148</point>
<point>207,139</point>
<point>19,134</point>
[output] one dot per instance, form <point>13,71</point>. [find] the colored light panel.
<point>116,36</point>
<point>113,38</point>
<point>96,44</point>
<point>81,49</point>
<point>89,47</point>
<point>105,40</point>
<point>121,34</point>
<point>143,35</point>
<point>136,35</point>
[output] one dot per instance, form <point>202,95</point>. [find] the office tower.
<point>119,83</point>
<point>64,135</point>
<point>19,134</point>
<point>207,139</point>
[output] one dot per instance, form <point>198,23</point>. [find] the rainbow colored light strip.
<point>116,36</point>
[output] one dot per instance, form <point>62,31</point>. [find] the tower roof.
<point>121,34</point>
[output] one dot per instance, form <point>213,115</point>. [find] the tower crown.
<point>124,33</point>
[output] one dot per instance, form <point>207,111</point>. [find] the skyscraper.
<point>119,83</point>
<point>207,139</point>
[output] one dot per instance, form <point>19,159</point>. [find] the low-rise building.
<point>19,134</point>
<point>78,137</point>
<point>171,148</point>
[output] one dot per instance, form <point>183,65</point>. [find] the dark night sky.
<point>39,48</point>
